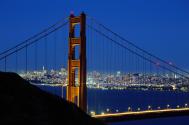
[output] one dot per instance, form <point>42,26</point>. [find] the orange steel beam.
<point>77,93</point>
<point>140,115</point>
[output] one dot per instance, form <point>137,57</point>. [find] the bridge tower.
<point>76,89</point>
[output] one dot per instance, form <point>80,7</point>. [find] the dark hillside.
<point>23,103</point>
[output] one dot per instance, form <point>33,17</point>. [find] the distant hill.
<point>23,103</point>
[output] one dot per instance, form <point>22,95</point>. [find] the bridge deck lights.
<point>93,113</point>
<point>107,110</point>
<point>129,109</point>
<point>186,105</point>
<point>149,107</point>
<point>168,106</point>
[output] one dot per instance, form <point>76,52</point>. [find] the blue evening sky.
<point>159,26</point>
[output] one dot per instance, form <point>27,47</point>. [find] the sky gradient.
<point>159,26</point>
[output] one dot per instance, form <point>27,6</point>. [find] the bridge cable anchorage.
<point>146,52</point>
<point>36,35</point>
<point>34,41</point>
<point>145,58</point>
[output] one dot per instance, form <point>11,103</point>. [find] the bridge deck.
<point>126,116</point>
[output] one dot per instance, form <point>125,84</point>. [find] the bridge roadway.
<point>139,115</point>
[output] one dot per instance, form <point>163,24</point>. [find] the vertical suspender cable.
<point>5,68</point>
<point>26,61</point>
<point>36,51</point>
<point>151,71</point>
<point>103,57</point>
<point>16,61</point>
<point>46,53</point>
<point>55,42</point>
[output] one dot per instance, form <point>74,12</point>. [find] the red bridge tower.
<point>76,90</point>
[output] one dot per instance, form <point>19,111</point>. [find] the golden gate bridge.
<point>94,56</point>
